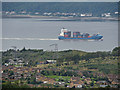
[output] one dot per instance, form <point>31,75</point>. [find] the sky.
<point>59,0</point>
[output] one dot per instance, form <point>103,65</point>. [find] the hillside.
<point>31,68</point>
<point>88,59</point>
<point>97,8</point>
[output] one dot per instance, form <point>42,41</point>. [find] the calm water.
<point>36,33</point>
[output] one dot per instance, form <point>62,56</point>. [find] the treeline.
<point>97,8</point>
<point>76,57</point>
<point>59,73</point>
<point>34,56</point>
<point>13,85</point>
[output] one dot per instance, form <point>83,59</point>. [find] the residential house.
<point>45,79</point>
<point>51,61</point>
<point>88,80</point>
<point>102,83</point>
<point>75,81</point>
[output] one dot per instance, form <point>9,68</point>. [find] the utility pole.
<point>14,47</point>
<point>55,50</point>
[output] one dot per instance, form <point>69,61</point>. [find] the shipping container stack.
<point>67,34</point>
<point>94,34</point>
<point>85,35</point>
<point>76,34</point>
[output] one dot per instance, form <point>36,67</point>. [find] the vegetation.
<point>92,60</point>
<point>59,73</point>
<point>70,63</point>
<point>97,8</point>
<point>15,85</point>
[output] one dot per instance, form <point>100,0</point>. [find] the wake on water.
<point>29,39</point>
<point>43,39</point>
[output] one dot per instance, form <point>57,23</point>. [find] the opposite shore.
<point>64,18</point>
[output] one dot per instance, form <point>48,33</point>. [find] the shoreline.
<point>64,18</point>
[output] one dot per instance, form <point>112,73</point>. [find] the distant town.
<point>30,68</point>
<point>68,10</point>
<point>115,14</point>
<point>62,16</point>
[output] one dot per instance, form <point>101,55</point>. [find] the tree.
<point>92,83</point>
<point>65,85</point>
<point>85,82</point>
<point>73,87</point>
<point>11,73</point>
<point>116,51</point>
<point>23,49</point>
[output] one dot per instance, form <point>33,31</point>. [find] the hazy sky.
<point>60,0</point>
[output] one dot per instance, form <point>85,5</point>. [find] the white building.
<point>37,13</point>
<point>106,15</point>
<point>82,15</point>
<point>116,12</point>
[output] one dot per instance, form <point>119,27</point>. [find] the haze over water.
<point>40,34</point>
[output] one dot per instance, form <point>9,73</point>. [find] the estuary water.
<point>38,33</point>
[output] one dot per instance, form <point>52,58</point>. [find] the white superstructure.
<point>62,31</point>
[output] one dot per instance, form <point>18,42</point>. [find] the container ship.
<point>66,35</point>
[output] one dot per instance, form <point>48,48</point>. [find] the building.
<point>51,61</point>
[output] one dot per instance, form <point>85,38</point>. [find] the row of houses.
<point>16,61</point>
<point>58,14</point>
<point>25,72</point>
<point>21,62</point>
<point>47,62</point>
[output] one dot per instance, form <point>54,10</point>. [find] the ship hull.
<point>76,38</point>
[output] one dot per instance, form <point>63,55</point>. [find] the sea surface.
<point>36,33</point>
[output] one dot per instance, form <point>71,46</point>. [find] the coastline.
<point>64,18</point>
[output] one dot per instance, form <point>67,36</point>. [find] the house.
<point>5,75</point>
<point>106,15</point>
<point>75,81</point>
<point>6,64</point>
<point>80,73</point>
<point>75,78</point>
<point>102,82</point>
<point>31,85</point>
<point>59,83</point>
<point>45,79</point>
<point>103,86</point>
<point>116,12</point>
<point>51,61</point>
<point>115,82</point>
<point>20,62</point>
<point>112,77</point>
<point>41,62</point>
<point>77,84</point>
<point>11,61</point>
<point>88,80</point>
<point>82,15</point>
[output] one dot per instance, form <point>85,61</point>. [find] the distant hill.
<point>97,8</point>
